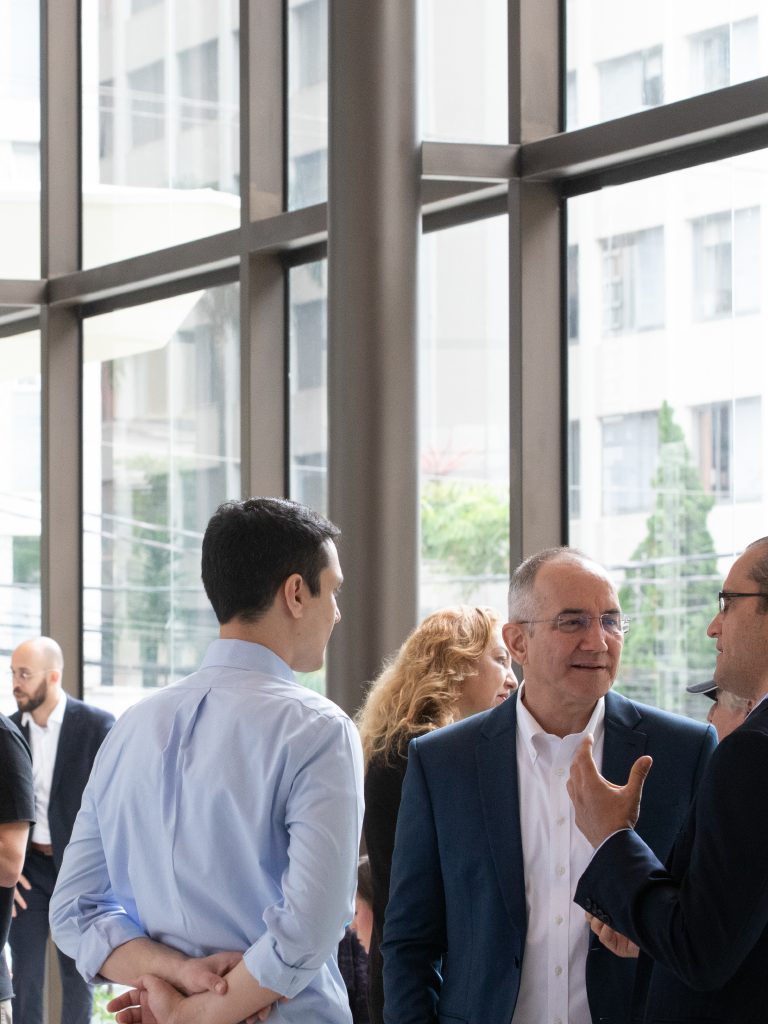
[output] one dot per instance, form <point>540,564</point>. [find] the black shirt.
<point>17,803</point>
<point>383,786</point>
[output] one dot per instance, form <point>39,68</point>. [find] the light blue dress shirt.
<point>223,813</point>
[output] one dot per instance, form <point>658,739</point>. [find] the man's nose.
<point>713,629</point>
<point>594,638</point>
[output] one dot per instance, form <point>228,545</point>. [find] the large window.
<point>464,416</point>
<point>161,124</point>
<point>309,385</point>
<point>19,500</point>
<point>307,102</point>
<point>20,138</point>
<point>670,480</point>
<point>623,58</point>
<point>161,452</point>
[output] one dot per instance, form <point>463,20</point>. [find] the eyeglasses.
<point>23,674</point>
<point>726,596</point>
<point>615,625</point>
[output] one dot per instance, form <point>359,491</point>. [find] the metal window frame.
<point>528,179</point>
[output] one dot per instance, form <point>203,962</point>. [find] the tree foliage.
<point>680,551</point>
<point>465,527</point>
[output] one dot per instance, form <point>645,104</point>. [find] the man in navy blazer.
<point>64,736</point>
<point>480,927</point>
<point>701,921</point>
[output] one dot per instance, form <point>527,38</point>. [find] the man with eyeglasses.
<point>64,736</point>
<point>701,919</point>
<point>480,925</point>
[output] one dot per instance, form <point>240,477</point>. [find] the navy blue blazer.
<point>701,922</point>
<point>454,933</point>
<point>83,729</point>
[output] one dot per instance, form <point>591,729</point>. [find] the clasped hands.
<point>602,809</point>
<point>157,1001</point>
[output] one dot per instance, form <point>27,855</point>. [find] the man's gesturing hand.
<point>601,807</point>
<point>618,944</point>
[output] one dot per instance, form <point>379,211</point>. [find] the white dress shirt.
<point>555,855</point>
<point>44,742</point>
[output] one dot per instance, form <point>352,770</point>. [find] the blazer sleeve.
<point>415,938</point>
<point>702,925</point>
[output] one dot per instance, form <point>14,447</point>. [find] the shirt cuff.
<point>98,941</point>
<point>610,837</point>
<point>264,963</point>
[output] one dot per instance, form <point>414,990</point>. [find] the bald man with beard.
<point>64,736</point>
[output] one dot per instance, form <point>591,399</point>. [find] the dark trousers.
<point>29,934</point>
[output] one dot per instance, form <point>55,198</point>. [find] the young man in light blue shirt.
<point>224,812</point>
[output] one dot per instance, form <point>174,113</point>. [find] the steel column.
<point>374,172</point>
<point>262,278</point>
<point>61,355</point>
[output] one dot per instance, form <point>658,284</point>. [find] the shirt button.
<point>561,820</point>
<point>558,971</point>
<point>560,772</point>
<point>558,919</point>
<point>560,870</point>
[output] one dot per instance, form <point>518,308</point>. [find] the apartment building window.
<point>633,276</point>
<point>711,59</point>
<point>574,469</point>
<point>312,42</point>
<point>728,438</point>
<point>147,86</point>
<point>630,448</point>
<point>573,293</point>
<point>631,83</point>
<point>719,241</point>
<point>199,80</point>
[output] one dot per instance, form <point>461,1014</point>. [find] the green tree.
<point>465,527</point>
<point>671,600</point>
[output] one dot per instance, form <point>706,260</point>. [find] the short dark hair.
<point>251,547</point>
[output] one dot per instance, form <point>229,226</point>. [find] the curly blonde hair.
<point>419,690</point>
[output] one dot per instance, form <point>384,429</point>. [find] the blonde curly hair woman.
<point>455,664</point>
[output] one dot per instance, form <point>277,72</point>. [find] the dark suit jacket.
<point>82,732</point>
<point>455,928</point>
<point>704,918</point>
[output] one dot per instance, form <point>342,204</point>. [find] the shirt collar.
<point>528,728</point>
<point>56,717</point>
<point>248,656</point>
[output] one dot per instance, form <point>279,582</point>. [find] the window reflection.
<point>307,102</point>
<point>160,124</point>
<point>464,415</point>
<point>19,499</point>
<point>666,388</point>
<point>623,58</point>
<point>308,384</point>
<point>20,139</point>
<point>161,452</point>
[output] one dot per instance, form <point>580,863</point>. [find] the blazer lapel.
<point>623,744</point>
<point>497,774</point>
<point>62,748</point>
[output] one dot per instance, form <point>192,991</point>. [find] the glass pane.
<point>622,58</point>
<point>667,376</point>
<point>19,500</point>
<point>20,138</point>
<point>309,384</point>
<point>160,124</point>
<point>307,103</point>
<point>308,379</point>
<point>161,451</point>
<point>463,70</point>
<point>464,415</point>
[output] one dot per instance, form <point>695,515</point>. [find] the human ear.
<point>516,638</point>
<point>295,597</point>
